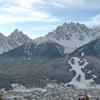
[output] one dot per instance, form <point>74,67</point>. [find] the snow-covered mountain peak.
<point>67,31</point>
<point>19,37</point>
<point>71,35</point>
<point>14,40</point>
<point>16,32</point>
<point>94,27</point>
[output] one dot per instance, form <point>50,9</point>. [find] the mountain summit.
<point>19,37</point>
<point>71,35</point>
<point>16,39</point>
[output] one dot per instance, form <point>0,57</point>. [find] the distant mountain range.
<point>70,54</point>
<point>70,36</point>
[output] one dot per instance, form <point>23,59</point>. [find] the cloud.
<point>28,10</point>
<point>76,4</point>
<point>28,3</point>
<point>73,2</point>
<point>97,17</point>
<point>69,4</point>
<point>93,21</point>
<point>58,5</point>
<point>9,19</point>
<point>23,11</point>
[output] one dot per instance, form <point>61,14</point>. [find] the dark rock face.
<point>94,67</point>
<point>28,52</point>
<point>5,81</point>
<point>32,50</point>
<point>78,78</point>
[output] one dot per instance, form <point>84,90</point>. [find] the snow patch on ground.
<point>79,80</point>
<point>82,54</point>
<point>21,88</point>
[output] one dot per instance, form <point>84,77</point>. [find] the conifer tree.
<point>1,96</point>
<point>86,98</point>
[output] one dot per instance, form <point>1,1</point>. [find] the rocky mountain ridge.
<point>71,35</point>
<point>14,40</point>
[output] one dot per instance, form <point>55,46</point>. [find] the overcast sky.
<point>38,17</point>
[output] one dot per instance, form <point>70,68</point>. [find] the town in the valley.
<point>51,92</point>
